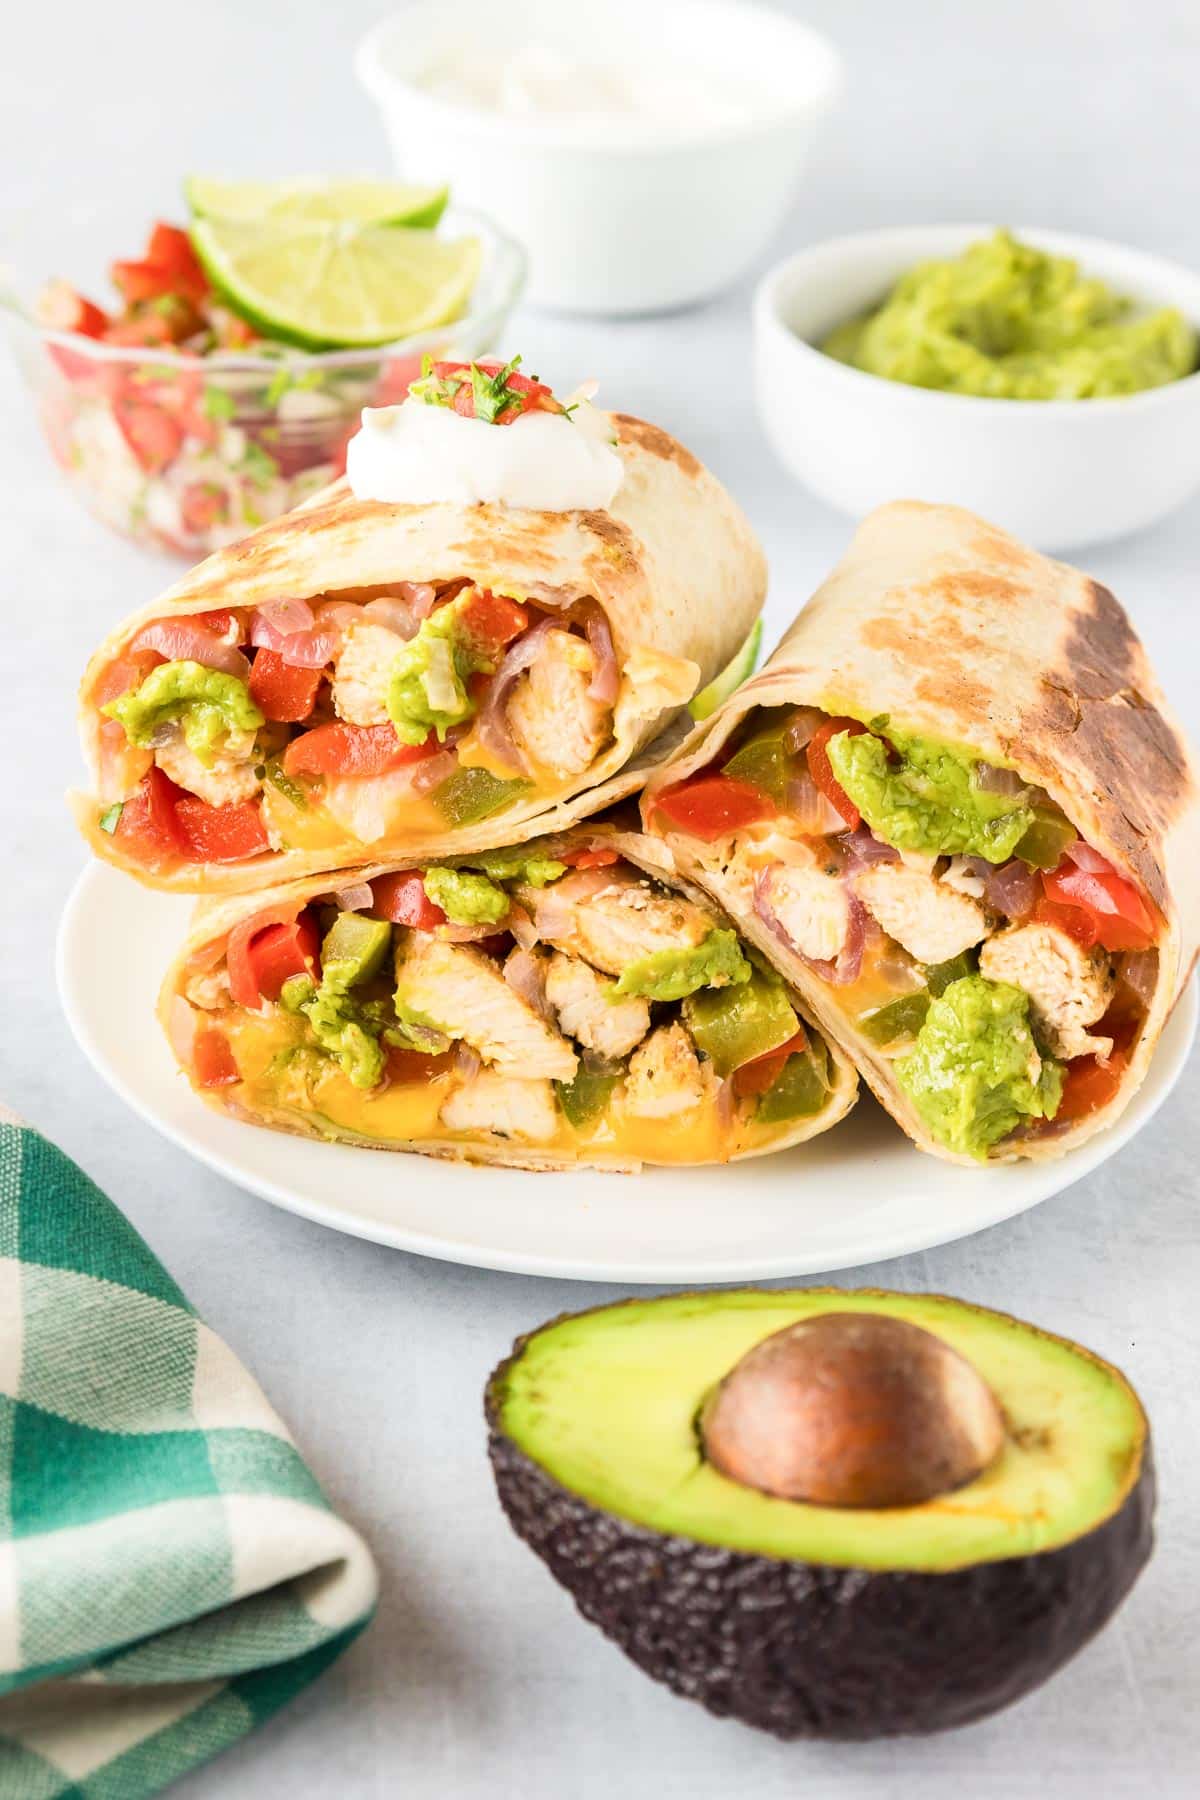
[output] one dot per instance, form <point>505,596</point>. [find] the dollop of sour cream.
<point>417,455</point>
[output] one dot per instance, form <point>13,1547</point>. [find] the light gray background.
<point>477,1681</point>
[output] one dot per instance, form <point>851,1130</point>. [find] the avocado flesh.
<point>817,1622</point>
<point>606,1403</point>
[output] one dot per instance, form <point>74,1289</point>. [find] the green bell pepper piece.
<point>901,1018</point>
<point>1045,839</point>
<point>763,762</point>
<point>472,794</point>
<point>799,1090</point>
<point>734,1025</point>
<point>585,1097</point>
<point>939,976</point>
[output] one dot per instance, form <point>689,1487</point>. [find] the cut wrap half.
<point>360,679</point>
<point>956,812</point>
<point>559,1004</point>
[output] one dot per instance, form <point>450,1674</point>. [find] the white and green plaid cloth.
<point>170,1573</point>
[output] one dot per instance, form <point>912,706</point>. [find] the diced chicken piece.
<point>210,989</point>
<point>613,922</point>
<point>229,778</point>
<point>813,908</point>
<point>550,715</point>
<point>505,1106</point>
<point>362,674</point>
<point>464,993</point>
<point>929,920</point>
<point>1069,987</point>
<point>665,1076</point>
<point>580,998</point>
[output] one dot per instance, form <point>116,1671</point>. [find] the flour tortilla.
<point>215,918</point>
<point>955,631</point>
<point>673,562</point>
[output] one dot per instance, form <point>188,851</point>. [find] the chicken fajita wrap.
<point>505,601</point>
<point>957,814</point>
<point>556,1004</point>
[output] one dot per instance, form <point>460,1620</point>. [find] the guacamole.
<point>928,799</point>
<point>674,974</point>
<point>429,688</point>
<point>1009,322</point>
<point>349,1031</point>
<point>466,898</point>
<point>208,703</point>
<point>974,1073</point>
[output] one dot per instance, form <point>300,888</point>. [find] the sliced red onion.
<point>808,807</point>
<point>431,773</point>
<point>394,613</point>
<point>492,721</point>
<point>181,640</point>
<point>467,1062</point>
<point>525,974</point>
<point>309,649</point>
<point>990,780</point>
<point>606,677</point>
<point>337,615</point>
<point>1012,889</point>
<point>357,898</point>
<point>1087,859</point>
<point>800,729</point>
<point>863,848</point>
<point>286,616</point>
<point>1139,972</point>
<point>848,964</point>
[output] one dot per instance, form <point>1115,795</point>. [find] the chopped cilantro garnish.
<point>110,819</point>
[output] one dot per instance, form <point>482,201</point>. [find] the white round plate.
<point>857,1194</point>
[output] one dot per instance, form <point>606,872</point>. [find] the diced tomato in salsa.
<point>265,951</point>
<point>285,694</point>
<point>402,899</point>
<point>148,829</point>
<point>337,749</point>
<point>212,1059</point>
<point>60,308</point>
<point>823,775</point>
<point>152,434</point>
<point>710,806</point>
<point>227,833</point>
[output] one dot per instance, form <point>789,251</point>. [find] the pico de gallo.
<point>550,999</point>
<point>179,423</point>
<point>345,726</point>
<point>997,965</point>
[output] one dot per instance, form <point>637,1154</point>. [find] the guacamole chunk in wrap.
<point>956,812</point>
<point>562,1003</point>
<point>361,679</point>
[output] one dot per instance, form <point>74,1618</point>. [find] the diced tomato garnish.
<point>760,1075</point>
<point>202,505</point>
<point>589,859</point>
<point>337,749</point>
<point>822,773</point>
<point>148,829</point>
<point>141,330</point>
<point>1115,913</point>
<point>212,1059</point>
<point>710,806</point>
<point>222,834</point>
<point>140,281</point>
<point>152,434</point>
<point>402,899</point>
<point>491,621</point>
<point>170,249</point>
<point>416,1065</point>
<point>524,393</point>
<point>265,951</point>
<point>61,308</point>
<point>285,694</point>
<point>1090,1084</point>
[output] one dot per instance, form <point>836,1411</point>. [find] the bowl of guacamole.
<point>906,363</point>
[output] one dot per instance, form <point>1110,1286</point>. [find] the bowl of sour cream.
<point>644,154</point>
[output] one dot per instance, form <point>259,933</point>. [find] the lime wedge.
<point>337,287</point>
<point>320,202</point>
<point>706,702</point>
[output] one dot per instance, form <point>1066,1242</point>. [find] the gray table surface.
<point>477,1680</point>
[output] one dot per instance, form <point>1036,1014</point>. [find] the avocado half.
<point>864,1613</point>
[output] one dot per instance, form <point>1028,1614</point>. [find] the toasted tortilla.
<point>214,918</point>
<point>955,631</point>
<point>673,562</point>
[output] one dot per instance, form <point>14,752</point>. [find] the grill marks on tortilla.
<point>656,442</point>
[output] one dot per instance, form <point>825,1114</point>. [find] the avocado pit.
<point>852,1409</point>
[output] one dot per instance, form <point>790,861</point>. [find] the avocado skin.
<point>805,1650</point>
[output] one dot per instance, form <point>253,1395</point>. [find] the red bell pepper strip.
<point>265,951</point>
<point>337,749</point>
<point>589,859</point>
<point>402,899</point>
<point>1090,1084</point>
<point>823,775</point>
<point>148,829</point>
<point>1112,910</point>
<point>710,806</point>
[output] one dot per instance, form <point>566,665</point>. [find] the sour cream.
<point>417,455</point>
<point>539,82</point>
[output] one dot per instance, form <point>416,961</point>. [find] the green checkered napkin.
<point>170,1573</point>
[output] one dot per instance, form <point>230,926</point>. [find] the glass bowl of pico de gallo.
<point>182,423</point>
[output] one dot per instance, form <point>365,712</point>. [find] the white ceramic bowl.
<point>1058,473</point>
<point>615,222</point>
